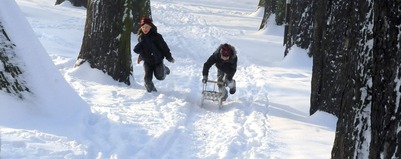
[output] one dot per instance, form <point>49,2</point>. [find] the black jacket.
<point>229,67</point>
<point>152,48</point>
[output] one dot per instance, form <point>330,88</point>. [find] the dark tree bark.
<point>300,25</point>
<point>355,84</point>
<point>386,107</point>
<point>261,3</point>
<point>322,64</point>
<point>10,74</point>
<point>276,7</point>
<point>107,39</point>
<point>356,74</point>
<point>269,9</point>
<point>356,71</point>
<point>140,8</point>
<point>328,44</point>
<point>280,11</point>
<point>369,120</point>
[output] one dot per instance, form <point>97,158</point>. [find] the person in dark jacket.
<point>225,59</point>
<point>152,50</point>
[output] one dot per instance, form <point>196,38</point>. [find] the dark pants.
<point>221,76</point>
<point>158,70</point>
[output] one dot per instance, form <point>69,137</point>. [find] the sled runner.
<point>211,91</point>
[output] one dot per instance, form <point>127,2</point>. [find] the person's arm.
<point>232,70</point>
<point>209,63</point>
<point>163,47</point>
<point>138,48</point>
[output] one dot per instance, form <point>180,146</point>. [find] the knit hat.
<point>146,21</point>
<point>226,50</point>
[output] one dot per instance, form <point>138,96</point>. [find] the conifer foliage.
<point>10,73</point>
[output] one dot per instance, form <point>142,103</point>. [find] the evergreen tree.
<point>10,74</point>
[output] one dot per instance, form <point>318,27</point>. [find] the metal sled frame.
<point>214,94</point>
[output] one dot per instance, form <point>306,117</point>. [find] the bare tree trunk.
<point>300,25</point>
<point>318,57</point>
<point>269,9</point>
<point>261,4</point>
<point>386,103</point>
<point>140,8</point>
<point>357,74</point>
<point>107,40</point>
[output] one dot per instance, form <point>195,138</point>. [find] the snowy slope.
<point>266,118</point>
<point>51,96</point>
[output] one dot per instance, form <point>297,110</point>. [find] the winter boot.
<point>167,70</point>
<point>150,87</point>
<point>224,93</point>
<point>232,86</point>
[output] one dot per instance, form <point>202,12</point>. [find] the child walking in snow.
<point>152,49</point>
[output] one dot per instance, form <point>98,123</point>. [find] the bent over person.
<point>225,59</point>
<point>152,49</point>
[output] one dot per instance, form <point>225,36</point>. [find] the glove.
<point>171,60</point>
<point>204,80</point>
<point>138,61</point>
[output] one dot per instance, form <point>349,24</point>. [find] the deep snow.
<point>82,113</point>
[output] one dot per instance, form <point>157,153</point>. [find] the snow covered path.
<point>128,122</point>
<point>171,120</point>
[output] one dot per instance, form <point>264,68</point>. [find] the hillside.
<point>266,118</point>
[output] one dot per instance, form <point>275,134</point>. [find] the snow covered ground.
<point>96,117</point>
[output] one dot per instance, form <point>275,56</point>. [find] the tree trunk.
<point>356,74</point>
<point>107,39</point>
<point>355,98</point>
<point>10,80</point>
<point>269,9</point>
<point>300,26</point>
<point>319,58</point>
<point>279,11</point>
<point>140,8</point>
<point>386,112</point>
<point>261,3</point>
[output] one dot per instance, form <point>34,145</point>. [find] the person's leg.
<point>149,69</point>
<point>160,71</point>
<point>148,73</point>
<point>222,89</point>
<point>220,77</point>
<point>167,70</point>
<point>232,86</point>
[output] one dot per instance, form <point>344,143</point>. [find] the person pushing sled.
<point>225,59</point>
